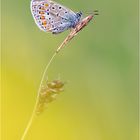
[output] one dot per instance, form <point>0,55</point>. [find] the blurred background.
<point>100,66</point>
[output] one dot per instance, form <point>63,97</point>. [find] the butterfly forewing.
<point>51,16</point>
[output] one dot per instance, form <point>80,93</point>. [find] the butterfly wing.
<point>38,10</point>
<point>51,16</point>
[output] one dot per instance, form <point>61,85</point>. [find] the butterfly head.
<point>78,15</point>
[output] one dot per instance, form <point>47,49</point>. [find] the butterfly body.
<point>53,17</point>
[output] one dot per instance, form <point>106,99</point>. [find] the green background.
<point>100,66</point>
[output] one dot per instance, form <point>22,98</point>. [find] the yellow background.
<point>100,67</point>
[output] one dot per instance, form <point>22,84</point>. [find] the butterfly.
<point>53,17</point>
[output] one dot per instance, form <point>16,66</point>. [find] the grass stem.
<point>37,98</point>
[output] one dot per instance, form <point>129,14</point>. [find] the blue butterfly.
<point>53,17</point>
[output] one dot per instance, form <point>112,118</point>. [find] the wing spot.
<point>41,12</point>
<point>46,5</point>
<point>41,8</point>
<point>44,22</point>
<point>42,17</point>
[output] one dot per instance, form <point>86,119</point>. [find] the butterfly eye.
<point>53,8</point>
<point>66,12</point>
<point>60,7</point>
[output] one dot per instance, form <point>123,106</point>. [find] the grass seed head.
<point>48,93</point>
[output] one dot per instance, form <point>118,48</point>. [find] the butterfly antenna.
<point>95,12</point>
